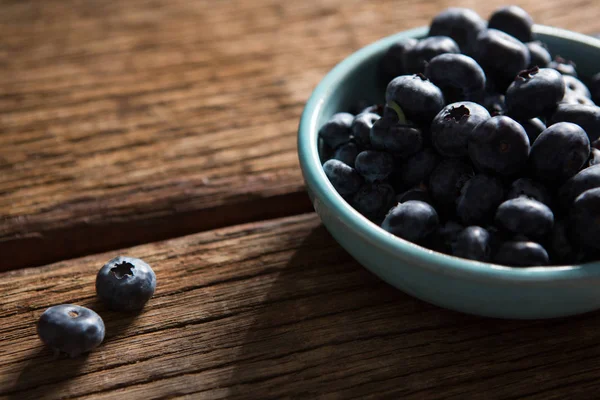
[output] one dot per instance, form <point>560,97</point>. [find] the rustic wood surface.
<point>123,122</point>
<point>277,309</point>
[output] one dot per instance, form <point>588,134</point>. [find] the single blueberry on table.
<point>337,130</point>
<point>494,103</point>
<point>417,57</point>
<point>499,145</point>
<point>413,220</point>
<point>534,92</point>
<point>521,254</point>
<point>525,187</point>
<point>558,153</point>
<point>501,56</point>
<point>392,63</point>
<point>525,216</point>
<point>478,200</point>
<point>539,54</point>
<point>417,193</point>
<point>586,179</point>
<point>446,182</point>
<point>585,219</point>
<point>586,116</point>
<point>461,24</point>
<point>417,96</point>
<point>347,153</point>
<point>361,127</point>
<point>374,165</point>
<point>374,200</point>
<point>513,20</point>
<point>533,127</point>
<point>564,66</point>
<point>345,179</point>
<point>415,169</point>
<point>70,329</point>
<point>459,76</point>
<point>125,283</point>
<point>454,124</point>
<point>472,243</point>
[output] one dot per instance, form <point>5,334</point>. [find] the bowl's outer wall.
<point>465,286</point>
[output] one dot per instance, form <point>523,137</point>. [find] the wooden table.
<point>169,125</point>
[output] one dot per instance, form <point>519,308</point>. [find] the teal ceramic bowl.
<point>454,283</point>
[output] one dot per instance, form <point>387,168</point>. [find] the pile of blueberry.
<point>123,284</point>
<point>486,148</point>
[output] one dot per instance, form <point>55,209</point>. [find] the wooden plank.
<point>131,121</point>
<point>277,309</point>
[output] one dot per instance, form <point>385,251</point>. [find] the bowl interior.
<point>357,79</point>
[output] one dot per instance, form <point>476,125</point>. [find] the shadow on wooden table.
<point>329,326</point>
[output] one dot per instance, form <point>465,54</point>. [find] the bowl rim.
<point>322,189</point>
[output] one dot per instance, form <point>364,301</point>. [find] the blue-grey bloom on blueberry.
<point>374,200</point>
<point>417,96</point>
<point>71,329</point>
<point>473,243</point>
<point>513,20</point>
<point>461,24</point>
<point>125,283</point>
<point>586,179</point>
<point>525,216</point>
<point>417,56</point>
<point>347,153</point>
<point>586,116</point>
<point>413,220</point>
<point>521,254</point>
<point>526,187</point>
<point>417,193</point>
<point>564,66</point>
<point>539,54</point>
<point>559,153</point>
<point>594,157</point>
<point>392,63</point>
<point>534,92</point>
<point>585,219</point>
<point>595,88</point>
<point>453,125</point>
<point>575,85</point>
<point>374,165</point>
<point>415,169</point>
<point>447,180</point>
<point>499,145</point>
<point>478,200</point>
<point>336,131</point>
<point>459,76</point>
<point>361,127</point>
<point>345,179</point>
<point>533,127</point>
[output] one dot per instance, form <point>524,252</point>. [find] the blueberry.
<point>533,127</point>
<point>473,243</point>
<point>416,169</point>
<point>401,140</point>
<point>337,130</point>
<point>565,67</point>
<point>447,180</point>
<point>374,165</point>
<point>534,92</point>
<point>494,103</point>
<point>525,216</point>
<point>70,329</point>
<point>413,220</point>
<point>521,254</point>
<point>454,124</point>
<point>374,200</point>
<point>513,20</point>
<point>417,193</point>
<point>558,153</point>
<point>596,144</point>
<point>501,56</point>
<point>573,84</point>
<point>376,109</point>
<point>499,145</point>
<point>417,96</point>
<point>586,116</point>
<point>539,54</point>
<point>461,24</point>
<point>595,88</point>
<point>585,219</point>
<point>347,153</point>
<point>392,63</point>
<point>586,179</point>
<point>416,57</point>
<point>459,76</point>
<point>125,283</point>
<point>560,245</point>
<point>446,234</point>
<point>478,200</point>
<point>594,158</point>
<point>345,179</point>
<point>525,187</point>
<point>361,127</point>
<point>572,97</point>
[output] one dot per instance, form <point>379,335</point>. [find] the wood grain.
<point>277,309</point>
<point>123,122</point>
